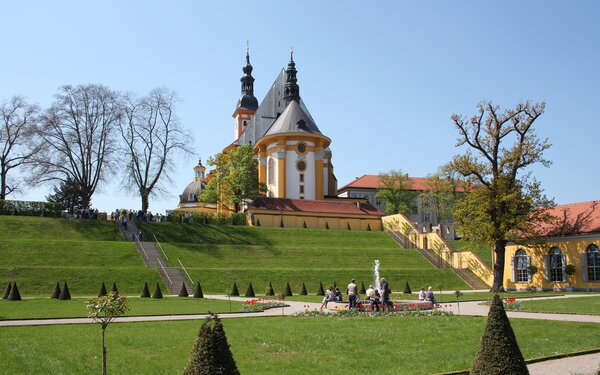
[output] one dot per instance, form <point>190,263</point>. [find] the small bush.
<point>56,291</point>
<point>288,290</point>
<point>234,290</point>
<point>321,291</point>
<point>114,288</point>
<point>270,291</point>
<point>157,292</point>
<point>145,291</point>
<point>65,294</point>
<point>303,290</point>
<point>407,289</point>
<point>362,289</point>
<point>183,292</point>
<point>7,290</point>
<point>250,291</point>
<point>198,292</point>
<point>14,294</point>
<point>102,291</point>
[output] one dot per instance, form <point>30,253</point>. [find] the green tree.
<point>211,354</point>
<point>104,310</point>
<point>235,179</point>
<point>440,195</point>
<point>394,191</point>
<point>500,146</point>
<point>67,195</point>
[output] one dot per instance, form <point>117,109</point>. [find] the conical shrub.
<point>234,290</point>
<point>303,290</point>
<point>56,291</point>
<point>183,291</point>
<point>157,292</point>
<point>145,291</point>
<point>114,288</point>
<point>102,291</point>
<point>270,291</point>
<point>334,285</point>
<point>407,289</point>
<point>498,352</point>
<point>14,294</point>
<point>321,291</point>
<point>362,288</point>
<point>7,290</point>
<point>65,294</point>
<point>211,353</point>
<point>198,292</point>
<point>250,291</point>
<point>288,290</point>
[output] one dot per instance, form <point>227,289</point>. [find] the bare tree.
<point>153,137</point>
<point>77,135</point>
<point>17,146</point>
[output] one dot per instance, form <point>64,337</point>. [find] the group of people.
<point>375,297</point>
<point>427,295</point>
<point>124,215</point>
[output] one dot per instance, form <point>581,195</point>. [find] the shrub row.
<point>204,218</point>
<point>29,208</point>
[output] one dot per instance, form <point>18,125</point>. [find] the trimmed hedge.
<point>145,291</point>
<point>56,291</point>
<point>198,292</point>
<point>157,292</point>
<point>29,208</point>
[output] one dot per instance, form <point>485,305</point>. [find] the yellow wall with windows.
<point>574,249</point>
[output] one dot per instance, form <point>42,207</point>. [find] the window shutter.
<point>513,267</point>
<point>546,268</point>
<point>528,263</point>
<point>563,258</point>
<point>583,267</point>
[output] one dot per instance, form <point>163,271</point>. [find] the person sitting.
<point>370,293</point>
<point>422,294</point>
<point>329,296</point>
<point>375,300</point>
<point>338,295</point>
<point>429,296</point>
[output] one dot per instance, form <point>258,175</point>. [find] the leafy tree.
<point>211,354</point>
<point>507,201</point>
<point>440,195</point>
<point>18,126</point>
<point>153,140</point>
<point>104,310</point>
<point>235,179</point>
<point>498,351</point>
<point>67,195</point>
<point>394,191</point>
<point>77,140</point>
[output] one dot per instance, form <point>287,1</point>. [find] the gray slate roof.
<point>293,120</point>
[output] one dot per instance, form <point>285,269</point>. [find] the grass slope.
<point>219,255</point>
<point>38,252</point>
<point>283,345</point>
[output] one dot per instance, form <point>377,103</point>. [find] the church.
<point>294,162</point>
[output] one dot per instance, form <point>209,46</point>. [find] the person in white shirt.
<point>351,292</point>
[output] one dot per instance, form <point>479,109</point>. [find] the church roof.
<point>193,190</point>
<point>293,120</point>
<point>315,206</point>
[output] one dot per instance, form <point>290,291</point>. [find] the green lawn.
<point>583,305</point>
<point>283,345</point>
<point>45,228</point>
<point>484,252</point>
<point>219,255</point>
<point>74,308</point>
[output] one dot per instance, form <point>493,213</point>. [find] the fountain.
<point>376,273</point>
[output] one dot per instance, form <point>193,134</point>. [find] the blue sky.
<point>380,80</point>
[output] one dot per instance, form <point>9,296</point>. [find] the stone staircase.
<point>470,278</point>
<point>153,258</point>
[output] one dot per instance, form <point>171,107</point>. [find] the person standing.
<point>351,292</point>
<point>385,293</point>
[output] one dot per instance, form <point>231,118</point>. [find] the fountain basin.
<point>398,305</point>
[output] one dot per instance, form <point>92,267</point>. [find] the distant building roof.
<point>573,218</point>
<point>315,206</point>
<point>369,181</point>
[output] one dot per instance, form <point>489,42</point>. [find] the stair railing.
<point>141,247</point>
<point>164,271</point>
<point>186,272</point>
<point>160,247</point>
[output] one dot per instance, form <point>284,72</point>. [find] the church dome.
<point>248,102</point>
<point>192,192</point>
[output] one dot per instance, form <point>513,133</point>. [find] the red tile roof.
<point>573,218</point>
<point>314,206</point>
<point>370,181</point>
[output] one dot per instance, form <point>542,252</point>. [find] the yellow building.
<point>572,239</point>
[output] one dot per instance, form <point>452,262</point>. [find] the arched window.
<point>271,172</point>
<point>555,265</point>
<point>521,263</point>
<point>592,263</point>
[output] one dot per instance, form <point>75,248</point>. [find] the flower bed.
<point>261,304</point>
<point>382,312</point>
<point>510,304</point>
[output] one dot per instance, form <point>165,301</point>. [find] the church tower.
<point>247,104</point>
<point>294,161</point>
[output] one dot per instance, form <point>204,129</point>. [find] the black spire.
<point>247,100</point>
<point>292,90</point>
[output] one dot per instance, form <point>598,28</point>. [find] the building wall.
<point>573,248</point>
<point>316,222</point>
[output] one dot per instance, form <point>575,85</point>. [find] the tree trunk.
<point>145,201</point>
<point>103,351</point>
<point>3,185</point>
<point>499,251</point>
